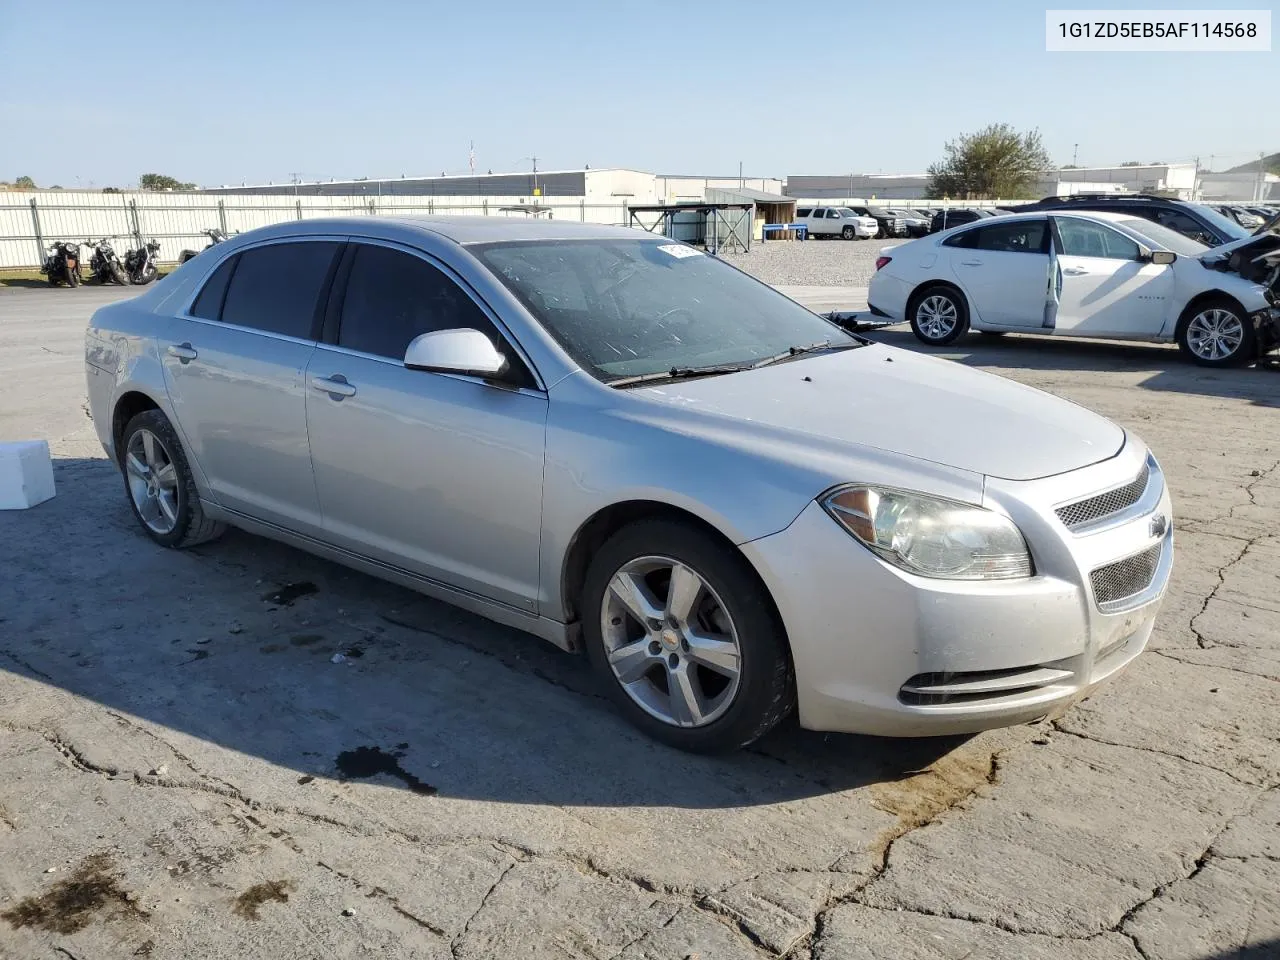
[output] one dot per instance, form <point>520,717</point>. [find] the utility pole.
<point>535,176</point>
<point>1260,192</point>
<point>741,183</point>
<point>1075,156</point>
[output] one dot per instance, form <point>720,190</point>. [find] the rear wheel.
<point>679,630</point>
<point>161,488</point>
<point>118,274</point>
<point>1217,333</point>
<point>939,315</point>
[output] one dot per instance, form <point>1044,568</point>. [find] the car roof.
<point>462,230</point>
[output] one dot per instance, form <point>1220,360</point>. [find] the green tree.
<point>24,183</point>
<point>158,181</point>
<point>995,163</point>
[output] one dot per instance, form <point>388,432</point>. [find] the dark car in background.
<point>946,219</point>
<point>890,225</point>
<point>917,223</point>
<point>1194,220</point>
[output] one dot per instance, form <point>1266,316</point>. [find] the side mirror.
<point>1163,257</point>
<point>464,351</point>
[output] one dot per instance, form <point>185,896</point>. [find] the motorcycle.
<point>215,236</point>
<point>106,265</point>
<point>140,264</point>
<point>62,264</point>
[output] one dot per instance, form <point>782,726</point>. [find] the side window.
<point>276,288</point>
<point>819,212</point>
<point>208,304</point>
<point>1184,224</point>
<point>803,211</point>
<point>393,297</point>
<point>965,239</point>
<point>833,214</point>
<point>1023,236</point>
<point>1082,238</point>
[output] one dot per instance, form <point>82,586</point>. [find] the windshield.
<point>1179,243</point>
<point>848,214</point>
<point>627,308</point>
<point>878,212</point>
<point>1224,225</point>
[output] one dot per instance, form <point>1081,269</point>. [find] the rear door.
<point>1105,288</point>
<point>234,367</point>
<point>439,474</point>
<point>818,222</point>
<point>1004,270</point>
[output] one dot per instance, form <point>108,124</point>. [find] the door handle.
<point>183,351</point>
<point>970,263</point>
<point>336,386</point>
<point>1074,271</point>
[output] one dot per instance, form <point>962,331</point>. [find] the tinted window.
<point>820,211</point>
<point>1081,238</point>
<point>803,211</point>
<point>393,297</point>
<point>966,239</point>
<point>209,304</point>
<point>1022,236</point>
<point>275,288</point>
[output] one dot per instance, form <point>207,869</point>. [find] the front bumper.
<point>880,651</point>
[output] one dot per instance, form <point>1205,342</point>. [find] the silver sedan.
<point>622,445</point>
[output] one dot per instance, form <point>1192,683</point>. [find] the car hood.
<point>904,403</point>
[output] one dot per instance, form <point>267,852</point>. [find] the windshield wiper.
<point>688,373</point>
<point>680,373</point>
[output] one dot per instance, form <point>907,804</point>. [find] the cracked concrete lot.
<point>184,772</point>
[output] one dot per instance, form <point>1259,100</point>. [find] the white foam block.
<point>26,474</point>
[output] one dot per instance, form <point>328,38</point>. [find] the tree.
<point>997,162</point>
<point>24,183</point>
<point>110,189</point>
<point>1132,163</point>
<point>158,181</point>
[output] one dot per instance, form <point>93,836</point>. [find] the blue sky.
<point>220,92</point>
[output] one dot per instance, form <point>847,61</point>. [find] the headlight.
<point>931,537</point>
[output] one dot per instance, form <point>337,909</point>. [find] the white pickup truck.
<point>837,222</point>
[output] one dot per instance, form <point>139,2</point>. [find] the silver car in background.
<point>627,447</point>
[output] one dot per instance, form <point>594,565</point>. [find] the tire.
<point>118,274</point>
<point>144,277</point>
<point>184,256</point>
<point>928,315</point>
<point>730,601</point>
<point>1217,333</point>
<point>73,279</point>
<point>847,233</point>
<point>189,525</point>
<point>53,279</point>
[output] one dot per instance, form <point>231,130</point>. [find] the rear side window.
<point>803,211</point>
<point>393,297</point>
<point>208,304</point>
<point>1083,238</point>
<point>966,239</point>
<point>1024,236</point>
<point>276,288</point>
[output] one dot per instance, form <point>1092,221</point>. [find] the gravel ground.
<point>826,263</point>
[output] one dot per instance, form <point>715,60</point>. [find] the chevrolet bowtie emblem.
<point>1159,525</point>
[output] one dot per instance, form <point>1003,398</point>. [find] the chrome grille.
<point>1105,504</point>
<point>1127,577</point>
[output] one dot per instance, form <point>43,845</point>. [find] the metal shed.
<point>766,207</point>
<point>716,226</point>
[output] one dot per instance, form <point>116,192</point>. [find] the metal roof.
<point>759,196</point>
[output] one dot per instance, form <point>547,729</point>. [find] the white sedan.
<point>1085,274</point>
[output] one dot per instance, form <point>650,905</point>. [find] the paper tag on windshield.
<point>679,251</point>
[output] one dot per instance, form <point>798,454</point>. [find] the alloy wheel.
<point>936,316</point>
<point>1215,334</point>
<point>670,642</point>
<point>153,481</point>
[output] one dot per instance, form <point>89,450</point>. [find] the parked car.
<point>836,222</point>
<point>947,218</point>
<point>1193,220</point>
<point>891,225</point>
<point>1113,275</point>
<point>917,225</point>
<point>625,446</point>
<point>1241,215</point>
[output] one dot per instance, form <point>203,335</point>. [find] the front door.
<point>1105,288</point>
<point>439,474</point>
<point>234,368</point>
<point>1003,268</point>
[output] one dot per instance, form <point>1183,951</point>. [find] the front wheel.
<point>73,279</point>
<point>680,632</point>
<point>847,233</point>
<point>118,274</point>
<point>1217,333</point>
<point>939,315</point>
<point>159,483</point>
<point>144,276</point>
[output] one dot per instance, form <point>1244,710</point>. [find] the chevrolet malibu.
<point>622,445</point>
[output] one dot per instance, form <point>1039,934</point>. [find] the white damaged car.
<point>1086,274</point>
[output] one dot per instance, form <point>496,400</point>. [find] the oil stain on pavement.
<point>249,902</point>
<point>364,762</point>
<point>70,904</point>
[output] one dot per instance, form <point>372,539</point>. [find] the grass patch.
<point>32,277</point>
